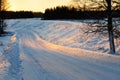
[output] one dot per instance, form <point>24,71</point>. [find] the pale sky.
<point>35,5</point>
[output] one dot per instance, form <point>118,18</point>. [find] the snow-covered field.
<point>55,50</point>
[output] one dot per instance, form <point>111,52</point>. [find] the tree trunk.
<point>110,28</point>
<point>2,13</point>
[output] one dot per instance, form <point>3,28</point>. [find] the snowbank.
<point>65,33</point>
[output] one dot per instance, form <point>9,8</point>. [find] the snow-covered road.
<point>31,58</point>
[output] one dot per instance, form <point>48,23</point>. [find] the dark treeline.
<point>19,14</point>
<point>73,13</point>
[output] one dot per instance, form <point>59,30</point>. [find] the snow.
<point>55,50</point>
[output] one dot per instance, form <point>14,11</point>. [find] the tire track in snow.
<point>14,70</point>
<point>39,73</point>
<point>53,60</point>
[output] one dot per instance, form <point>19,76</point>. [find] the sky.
<point>35,5</point>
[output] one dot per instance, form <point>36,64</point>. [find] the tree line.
<point>96,9</point>
<point>64,12</point>
<point>19,14</point>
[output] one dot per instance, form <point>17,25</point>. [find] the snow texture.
<point>55,50</point>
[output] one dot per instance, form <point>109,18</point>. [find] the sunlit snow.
<point>55,50</point>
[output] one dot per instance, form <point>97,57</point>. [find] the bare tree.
<point>110,26</point>
<point>107,5</point>
<point>3,8</point>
